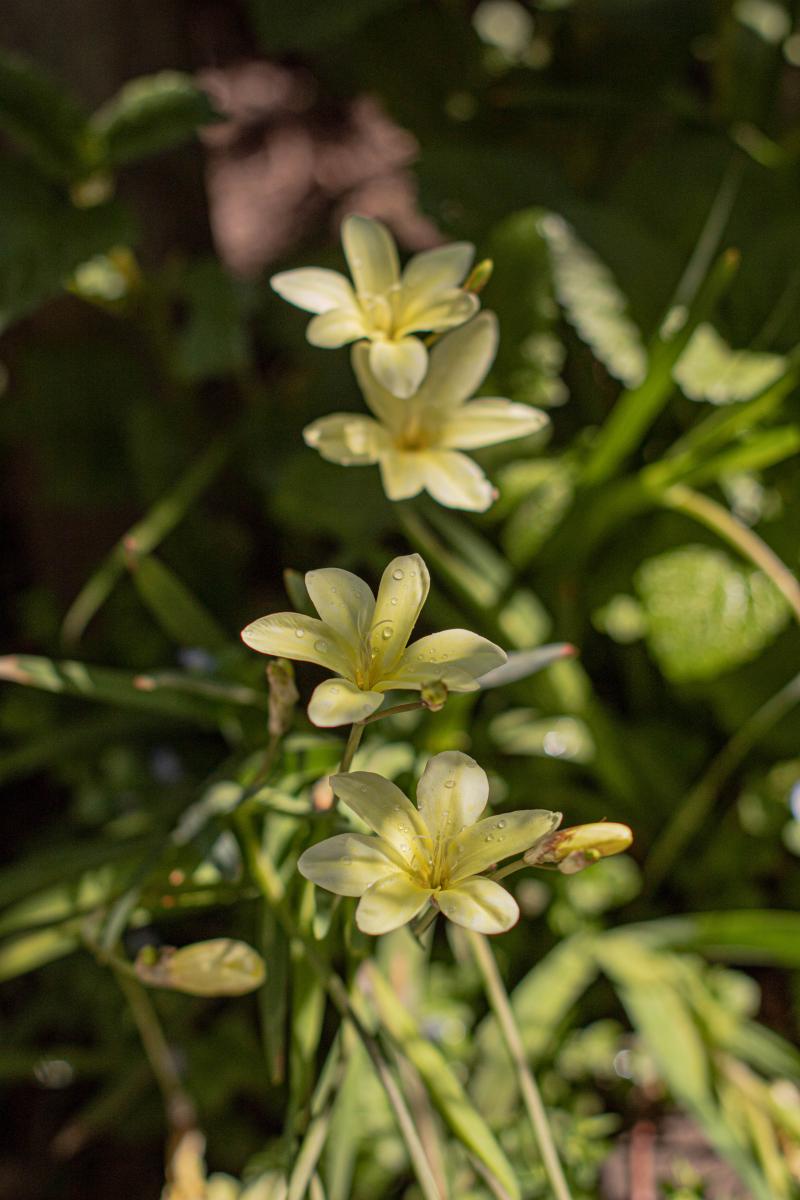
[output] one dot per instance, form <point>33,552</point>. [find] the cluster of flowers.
<point>440,852</point>
<point>424,417</point>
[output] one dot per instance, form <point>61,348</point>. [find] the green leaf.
<point>706,614</point>
<point>544,491</point>
<point>45,238</point>
<point>212,341</point>
<point>43,119</point>
<point>710,370</point>
<point>310,24</point>
<point>764,936</point>
<point>178,611</point>
<point>445,1089</point>
<point>19,955</point>
<point>593,303</point>
<point>150,114</point>
<point>143,537</point>
<point>172,694</point>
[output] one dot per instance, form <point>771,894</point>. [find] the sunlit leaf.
<point>710,370</point>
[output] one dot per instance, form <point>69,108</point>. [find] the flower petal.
<point>347,438</point>
<point>399,366</point>
<point>294,635</point>
<point>452,793</point>
<point>459,362</point>
<point>402,474</point>
<point>387,811</point>
<point>437,270</point>
<point>371,255</point>
<point>498,837</point>
<point>389,409</point>
<point>390,903</point>
<point>340,702</point>
<point>457,657</point>
<point>479,904</point>
<point>347,864</point>
<point>314,289</point>
<point>456,481</point>
<point>343,600</point>
<point>335,328</point>
<point>486,422</point>
<point>403,591</point>
<point>444,311</point>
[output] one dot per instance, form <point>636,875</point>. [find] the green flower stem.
<point>412,706</point>
<point>178,1106</point>
<point>271,887</point>
<point>316,1134</point>
<point>423,922</point>
<point>353,742</point>
<point>501,1007</point>
<point>721,521</point>
<point>699,800</point>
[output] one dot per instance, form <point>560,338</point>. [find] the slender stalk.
<point>271,886</point>
<point>412,706</point>
<point>352,744</point>
<point>699,800</point>
<point>177,1104</point>
<point>719,519</point>
<point>501,1007</point>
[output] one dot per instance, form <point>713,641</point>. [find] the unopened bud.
<point>283,696</point>
<point>571,850</point>
<point>434,695</point>
<point>218,967</point>
<point>322,797</point>
<point>479,276</point>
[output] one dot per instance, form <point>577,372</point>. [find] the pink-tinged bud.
<point>573,849</point>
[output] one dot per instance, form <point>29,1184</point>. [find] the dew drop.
<point>449,783</point>
<point>387,633</point>
<point>299,633</point>
<point>397,808</point>
<point>488,838</point>
<point>500,825</point>
<point>393,600</point>
<point>321,646</point>
<point>397,574</point>
<point>334,691</point>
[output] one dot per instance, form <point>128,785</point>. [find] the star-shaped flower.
<point>365,641</point>
<point>435,852</point>
<point>386,308</point>
<point>418,442</point>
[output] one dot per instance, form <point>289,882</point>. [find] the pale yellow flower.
<point>386,307</point>
<point>435,852</point>
<point>418,442</point>
<point>364,640</point>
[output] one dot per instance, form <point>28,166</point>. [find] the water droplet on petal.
<point>321,646</point>
<point>397,574</point>
<point>334,691</point>
<point>488,838</point>
<point>387,633</point>
<point>500,825</point>
<point>397,808</point>
<point>300,633</point>
<point>393,600</point>
<point>449,783</point>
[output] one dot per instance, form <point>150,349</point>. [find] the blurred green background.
<point>159,161</point>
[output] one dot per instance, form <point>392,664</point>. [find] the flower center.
<point>432,856</point>
<point>370,669</point>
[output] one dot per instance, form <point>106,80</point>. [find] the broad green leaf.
<point>213,340</point>
<point>593,303</point>
<point>143,537</point>
<point>530,356</point>
<point>180,614</point>
<point>218,967</point>
<point>766,936</point>
<point>43,119</point>
<point>45,238</point>
<point>706,614</point>
<point>151,114</point>
<point>520,731</point>
<point>310,24</point>
<point>443,1086</point>
<point>544,489</point>
<point>172,694</point>
<point>710,370</point>
<point>28,952</point>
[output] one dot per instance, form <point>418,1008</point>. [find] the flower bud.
<point>479,276</point>
<point>573,849</point>
<point>283,696</point>
<point>218,967</point>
